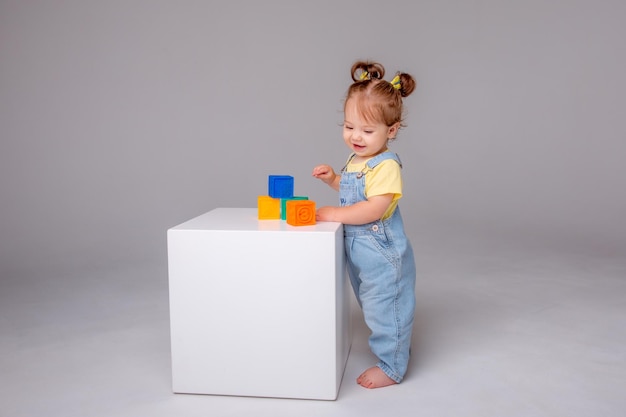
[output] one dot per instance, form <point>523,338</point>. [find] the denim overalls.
<point>382,273</point>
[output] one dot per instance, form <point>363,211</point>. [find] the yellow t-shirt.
<point>385,178</point>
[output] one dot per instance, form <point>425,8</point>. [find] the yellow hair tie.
<point>364,75</point>
<point>395,83</point>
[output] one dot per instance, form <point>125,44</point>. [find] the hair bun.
<point>373,70</point>
<point>407,84</point>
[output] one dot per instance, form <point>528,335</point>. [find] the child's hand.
<point>324,173</point>
<point>325,214</point>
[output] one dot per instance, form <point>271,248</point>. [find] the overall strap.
<point>350,158</point>
<point>371,164</point>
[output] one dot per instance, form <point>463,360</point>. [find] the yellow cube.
<point>268,208</point>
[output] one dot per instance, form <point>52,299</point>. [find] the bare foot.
<point>374,378</point>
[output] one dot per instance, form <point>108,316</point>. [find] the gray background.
<point>121,119</point>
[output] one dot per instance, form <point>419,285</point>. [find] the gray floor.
<point>502,331</point>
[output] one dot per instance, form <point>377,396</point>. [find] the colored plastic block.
<point>283,205</point>
<point>268,208</point>
<point>300,212</point>
<point>280,186</point>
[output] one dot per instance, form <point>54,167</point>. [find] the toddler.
<point>379,255</point>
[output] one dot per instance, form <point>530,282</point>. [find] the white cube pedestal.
<point>257,307</point>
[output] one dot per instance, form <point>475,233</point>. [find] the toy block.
<point>280,186</point>
<point>283,205</point>
<point>268,208</point>
<point>300,212</point>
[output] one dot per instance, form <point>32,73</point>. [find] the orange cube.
<point>300,212</point>
<point>268,208</point>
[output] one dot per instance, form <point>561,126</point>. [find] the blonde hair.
<point>378,100</point>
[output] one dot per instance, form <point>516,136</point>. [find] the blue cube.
<point>280,186</point>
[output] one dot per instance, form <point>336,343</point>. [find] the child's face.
<point>365,138</point>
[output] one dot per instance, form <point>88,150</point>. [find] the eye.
<point>369,132</point>
<point>347,127</point>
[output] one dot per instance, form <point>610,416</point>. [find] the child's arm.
<point>362,212</point>
<point>327,174</point>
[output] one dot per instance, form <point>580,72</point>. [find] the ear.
<point>393,130</point>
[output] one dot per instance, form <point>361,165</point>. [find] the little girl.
<point>379,255</point>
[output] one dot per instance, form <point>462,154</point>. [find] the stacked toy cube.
<point>280,203</point>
